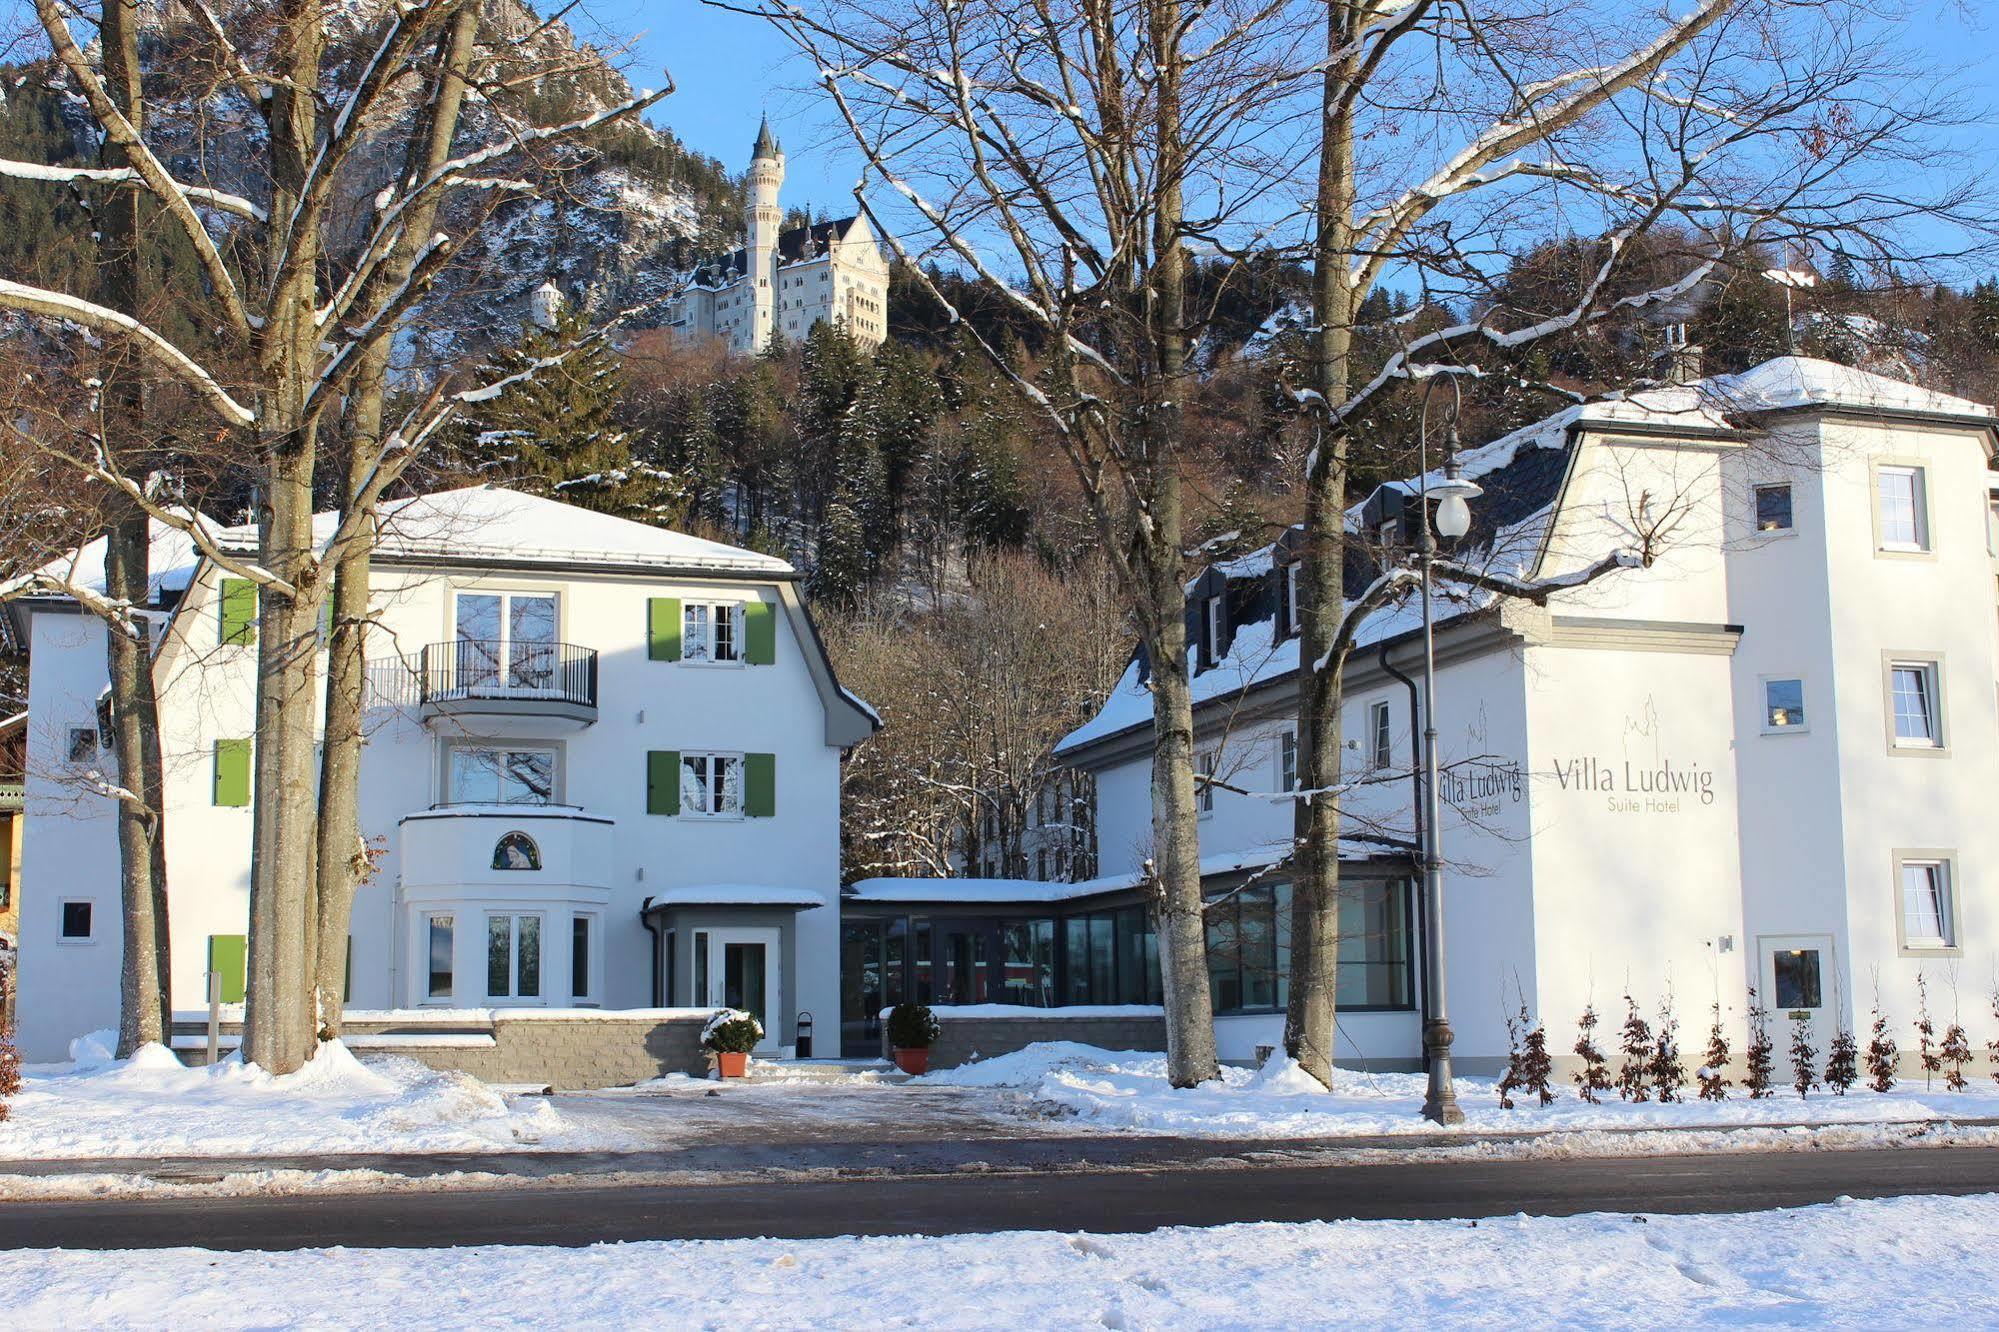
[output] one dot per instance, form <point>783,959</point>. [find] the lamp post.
<point>1453,520</point>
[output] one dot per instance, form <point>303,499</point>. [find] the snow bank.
<point>1125,1091</point>
<point>1902,1262</point>
<point>150,1105</point>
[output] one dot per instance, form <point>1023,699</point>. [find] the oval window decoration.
<point>516,851</point>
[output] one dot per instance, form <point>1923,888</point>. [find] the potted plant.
<point>730,1036</point>
<point>912,1030</point>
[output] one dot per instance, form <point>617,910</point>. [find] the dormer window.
<point>1216,613</point>
<point>1288,622</point>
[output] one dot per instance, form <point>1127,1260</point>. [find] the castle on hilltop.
<point>781,283</point>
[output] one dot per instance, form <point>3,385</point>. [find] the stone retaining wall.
<point>966,1039</point>
<point>565,1053</point>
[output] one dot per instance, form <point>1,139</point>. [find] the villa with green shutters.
<point>602,771</point>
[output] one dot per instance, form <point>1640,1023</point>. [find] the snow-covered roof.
<point>1036,890</point>
<point>491,524</point>
<point>171,563</point>
<point>736,894</point>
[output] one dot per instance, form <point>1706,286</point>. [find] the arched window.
<point>516,851</point>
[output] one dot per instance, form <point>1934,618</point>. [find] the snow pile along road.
<point>1125,1091</point>
<point>150,1105</point>
<point>1905,1262</point>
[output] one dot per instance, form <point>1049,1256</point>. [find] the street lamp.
<point>1453,520</point>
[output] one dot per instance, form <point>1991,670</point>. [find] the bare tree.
<point>305,296</point>
<point>1071,155</point>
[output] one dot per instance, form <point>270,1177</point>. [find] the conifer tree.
<point>1758,1062</point>
<point>1637,1048</point>
<point>1955,1055</point>
<point>1536,1067</point>
<point>1926,1033</point>
<point>1882,1056</point>
<point>1668,1075</point>
<point>1842,1062</point>
<point>1593,1079</point>
<point>1713,1072</point>
<point>1804,1054</point>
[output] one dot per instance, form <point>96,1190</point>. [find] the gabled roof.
<point>488,525</point>
<point>171,563</point>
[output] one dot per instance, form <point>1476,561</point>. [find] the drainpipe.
<point>645,919</point>
<point>1416,808</point>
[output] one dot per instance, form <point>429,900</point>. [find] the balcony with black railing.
<point>470,677</point>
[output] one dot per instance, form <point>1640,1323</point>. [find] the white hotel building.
<point>602,771</point>
<point>1766,760</point>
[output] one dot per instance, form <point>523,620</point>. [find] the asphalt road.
<point>1116,1201</point>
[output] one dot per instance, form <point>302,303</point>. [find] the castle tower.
<point>765,218</point>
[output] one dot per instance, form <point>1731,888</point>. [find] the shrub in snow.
<point>1536,1066</point>
<point>1803,1053</point>
<point>10,1070</point>
<point>1992,1047</point>
<point>1926,1033</point>
<point>732,1031</point>
<point>1669,1078</point>
<point>1756,1060</point>
<point>1514,1078</point>
<point>1882,1056</point>
<point>1842,1062</point>
<point>912,1026</point>
<point>1713,1072</point>
<point>1637,1047</point>
<point>1594,1077</point>
<point>1955,1054</point>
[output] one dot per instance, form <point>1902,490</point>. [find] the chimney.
<point>1680,362</point>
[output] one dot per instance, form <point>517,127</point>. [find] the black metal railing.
<point>476,668</point>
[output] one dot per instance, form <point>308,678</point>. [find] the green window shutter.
<point>663,628</point>
<point>232,772</point>
<point>239,612</point>
<point>228,955</point>
<point>759,633</point>
<point>663,781</point>
<point>760,785</point>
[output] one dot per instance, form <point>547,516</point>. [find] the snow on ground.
<point>1126,1092</point>
<point>150,1105</point>
<point>1902,1262</point>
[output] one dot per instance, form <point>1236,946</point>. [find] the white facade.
<point>1633,803</point>
<point>549,755</point>
<point>781,283</point>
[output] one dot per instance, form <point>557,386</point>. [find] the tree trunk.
<point>1310,1021</point>
<point>1190,1024</point>
<point>342,854</point>
<point>145,1012</point>
<point>278,1028</point>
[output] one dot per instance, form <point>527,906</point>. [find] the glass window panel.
<point>76,920</point>
<point>1783,704</point>
<point>694,632</point>
<point>1797,974</point>
<point>579,957</point>
<point>1076,955</point>
<point>1259,948</point>
<point>1224,958</point>
<point>919,963</point>
<point>1900,490</point>
<point>694,784</point>
<point>527,967</point>
<point>478,627</point>
<point>1915,721</point>
<point>1374,949</point>
<point>1281,907</point>
<point>700,999</point>
<point>441,931</point>
<point>1103,958</point>
<point>1773,508</point>
<point>861,999</point>
<point>499,955</point>
<point>1925,911</point>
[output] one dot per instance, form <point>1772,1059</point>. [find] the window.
<point>1904,521</point>
<point>507,640</point>
<point>516,851</point>
<point>483,776</point>
<point>1204,793</point>
<point>1111,958</point>
<point>1783,706</point>
<point>1041,864</point>
<point>1797,975</point>
<point>82,744</point>
<point>1992,523</point>
<point>76,921</point>
<point>1912,696</point>
<point>580,928</point>
<point>1927,908</point>
<point>1291,621</point>
<point>513,957</point>
<point>711,785</point>
<point>1216,610</point>
<point>1027,963</point>
<point>439,933</point>
<point>1287,761</point>
<point>1773,508</point>
<point>1380,741</point>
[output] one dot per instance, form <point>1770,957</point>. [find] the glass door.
<point>507,640</point>
<point>741,969</point>
<point>1798,977</point>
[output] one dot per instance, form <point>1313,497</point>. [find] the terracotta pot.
<point>913,1062</point>
<point>732,1063</point>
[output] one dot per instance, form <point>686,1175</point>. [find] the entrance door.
<point>742,972</point>
<point>1798,977</point>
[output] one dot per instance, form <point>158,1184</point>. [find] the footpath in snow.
<point>150,1105</point>
<point>1126,1092</point>
<point>1905,1262</point>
